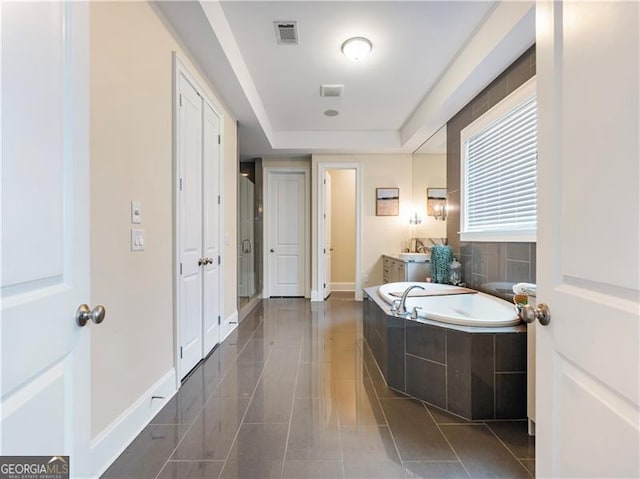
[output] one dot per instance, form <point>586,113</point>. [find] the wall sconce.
<point>415,219</point>
<point>437,203</point>
<point>440,211</point>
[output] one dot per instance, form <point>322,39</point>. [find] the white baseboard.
<point>343,286</point>
<point>228,325</point>
<point>110,443</point>
<point>316,296</point>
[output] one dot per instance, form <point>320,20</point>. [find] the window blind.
<point>500,180</point>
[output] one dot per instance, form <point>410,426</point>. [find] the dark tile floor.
<point>294,393</point>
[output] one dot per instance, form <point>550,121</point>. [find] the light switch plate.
<point>137,240</point>
<point>136,213</point>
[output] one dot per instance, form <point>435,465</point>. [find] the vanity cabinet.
<point>395,270</point>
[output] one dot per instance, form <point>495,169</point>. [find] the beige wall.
<point>131,159</point>
<point>380,234</point>
<point>429,171</point>
<point>343,225</point>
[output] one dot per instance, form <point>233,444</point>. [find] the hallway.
<point>294,393</point>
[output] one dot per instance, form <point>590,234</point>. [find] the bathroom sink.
<point>414,256</point>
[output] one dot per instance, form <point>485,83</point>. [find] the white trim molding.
<point>114,439</point>
<point>338,287</point>
<point>323,166</point>
<point>228,325</point>
<point>306,171</point>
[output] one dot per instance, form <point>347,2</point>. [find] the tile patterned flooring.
<point>294,393</point>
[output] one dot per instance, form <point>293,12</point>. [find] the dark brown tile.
<point>511,396</point>
<point>213,432</point>
<point>518,251</point>
<point>425,341</point>
<point>314,433</point>
<point>312,470</point>
<point>254,351</point>
<point>271,402</point>
<point>517,271</point>
<point>434,470</point>
<point>482,454</point>
<point>441,416</point>
<point>415,432</point>
<point>155,444</point>
<point>479,258</point>
<point>511,352</point>
<point>357,403</point>
<point>482,377</point>
<point>191,470</point>
<point>459,373</point>
<point>258,452</point>
<point>496,262</point>
<point>530,464</point>
<point>514,434</point>
<point>426,380</point>
<point>369,453</point>
<point>497,91</point>
<point>314,380</point>
<point>187,403</point>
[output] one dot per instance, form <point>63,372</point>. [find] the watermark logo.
<point>34,467</point>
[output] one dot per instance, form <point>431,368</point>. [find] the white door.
<point>587,357</point>
<point>286,243</point>
<point>327,249</point>
<point>211,230</point>
<point>190,144</point>
<point>246,280</point>
<point>45,231</point>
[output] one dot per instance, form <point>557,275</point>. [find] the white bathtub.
<point>477,309</point>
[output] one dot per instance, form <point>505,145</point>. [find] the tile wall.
<point>485,265</point>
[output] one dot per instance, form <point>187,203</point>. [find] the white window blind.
<point>500,163</point>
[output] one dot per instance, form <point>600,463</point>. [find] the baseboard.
<point>113,440</point>
<point>316,296</point>
<point>228,325</point>
<point>343,286</point>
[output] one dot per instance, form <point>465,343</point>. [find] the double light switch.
<point>137,235</point>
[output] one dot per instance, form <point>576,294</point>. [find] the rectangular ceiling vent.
<point>286,33</point>
<point>331,90</point>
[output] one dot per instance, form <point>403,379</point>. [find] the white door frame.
<point>324,166</point>
<point>268,172</point>
<point>180,68</point>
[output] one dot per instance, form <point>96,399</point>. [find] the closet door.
<point>211,229</point>
<point>190,145</point>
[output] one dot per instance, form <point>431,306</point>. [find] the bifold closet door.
<point>190,145</point>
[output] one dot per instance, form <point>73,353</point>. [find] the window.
<point>499,163</point>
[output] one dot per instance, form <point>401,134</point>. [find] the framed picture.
<point>387,201</point>
<point>436,201</point>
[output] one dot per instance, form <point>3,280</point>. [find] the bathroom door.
<point>588,220</point>
<point>45,355</point>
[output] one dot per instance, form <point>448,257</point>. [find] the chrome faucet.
<point>402,308</point>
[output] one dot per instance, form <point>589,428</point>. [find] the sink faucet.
<point>402,308</point>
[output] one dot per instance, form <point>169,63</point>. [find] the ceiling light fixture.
<point>356,48</point>
<point>331,112</point>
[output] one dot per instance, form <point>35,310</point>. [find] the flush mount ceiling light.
<point>356,48</point>
<point>331,112</point>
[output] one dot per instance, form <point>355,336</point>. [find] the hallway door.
<point>286,227</point>
<point>46,405</point>
<point>587,389</point>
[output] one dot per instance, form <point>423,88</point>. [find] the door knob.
<point>529,314</point>
<point>83,314</point>
<point>271,250</point>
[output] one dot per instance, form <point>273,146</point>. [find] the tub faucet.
<point>402,308</point>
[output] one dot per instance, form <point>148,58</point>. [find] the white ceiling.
<point>429,59</point>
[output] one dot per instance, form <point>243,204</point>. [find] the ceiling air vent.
<point>286,33</point>
<point>331,90</point>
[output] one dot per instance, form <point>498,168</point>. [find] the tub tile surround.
<point>486,265</point>
<point>476,375</point>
